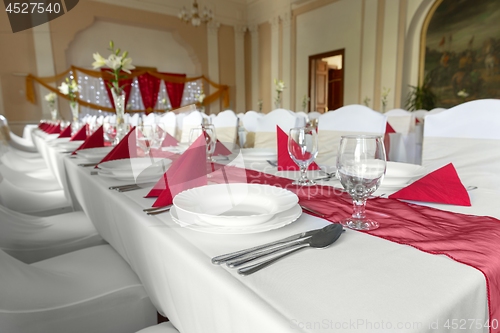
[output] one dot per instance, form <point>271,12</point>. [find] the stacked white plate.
<point>134,169</point>
<point>259,154</point>
<point>399,175</point>
<point>70,145</point>
<point>235,208</point>
<point>94,154</point>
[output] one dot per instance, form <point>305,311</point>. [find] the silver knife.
<point>225,257</point>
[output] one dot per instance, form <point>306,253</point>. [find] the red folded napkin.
<point>81,134</point>
<point>285,162</point>
<point>126,148</point>
<point>169,141</point>
<point>389,129</point>
<point>53,129</point>
<point>188,171</point>
<point>65,133</point>
<point>221,149</point>
<point>94,141</point>
<point>440,186</point>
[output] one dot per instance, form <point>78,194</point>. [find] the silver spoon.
<point>320,240</point>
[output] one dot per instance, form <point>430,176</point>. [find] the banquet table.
<point>361,283</point>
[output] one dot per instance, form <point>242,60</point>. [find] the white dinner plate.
<point>70,144</point>
<point>404,170</point>
<point>259,154</point>
<point>145,176</point>
<point>238,204</point>
<point>94,154</point>
<point>158,168</point>
<point>277,221</point>
<point>128,163</point>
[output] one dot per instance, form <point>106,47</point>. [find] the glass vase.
<point>121,126</point>
<point>75,124</point>
<point>53,112</point>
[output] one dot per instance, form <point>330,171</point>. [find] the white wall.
<point>163,51</point>
<point>332,27</point>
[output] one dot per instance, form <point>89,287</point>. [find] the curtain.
<point>125,83</point>
<point>149,87</point>
<point>175,90</point>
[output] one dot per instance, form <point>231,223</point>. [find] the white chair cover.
<point>265,135</point>
<point>436,110</point>
<point>90,290</point>
<point>170,122</point>
<point>134,119</point>
<point>313,115</point>
<point>31,239</point>
<point>226,127</point>
<point>29,183</point>
<point>33,203</point>
<point>160,328</point>
<point>150,119</point>
<point>347,120</point>
<point>466,135</point>
<point>192,120</point>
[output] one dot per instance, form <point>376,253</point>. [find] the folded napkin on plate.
<point>221,149</point>
<point>94,141</point>
<point>285,162</point>
<point>65,133</point>
<point>440,186</point>
<point>55,129</point>
<point>126,148</point>
<point>169,141</point>
<point>81,134</point>
<point>389,129</point>
<point>188,171</point>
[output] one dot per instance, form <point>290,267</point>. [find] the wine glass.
<point>303,148</point>
<point>208,131</point>
<point>109,133</point>
<point>144,137</point>
<point>361,167</point>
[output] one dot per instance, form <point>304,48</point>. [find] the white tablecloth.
<point>360,284</point>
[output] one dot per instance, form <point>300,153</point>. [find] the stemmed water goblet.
<point>303,148</point>
<point>361,164</point>
<point>150,137</point>
<point>208,131</point>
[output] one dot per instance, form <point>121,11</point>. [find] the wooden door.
<point>335,89</point>
<point>321,86</point>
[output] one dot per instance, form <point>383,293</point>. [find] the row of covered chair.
<point>57,273</point>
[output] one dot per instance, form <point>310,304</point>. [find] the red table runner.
<point>468,239</point>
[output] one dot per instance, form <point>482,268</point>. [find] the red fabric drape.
<point>125,83</point>
<point>175,91</point>
<point>149,87</point>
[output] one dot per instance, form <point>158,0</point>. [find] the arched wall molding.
<point>411,65</point>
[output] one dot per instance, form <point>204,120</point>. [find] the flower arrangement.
<point>70,88</point>
<point>280,86</point>
<point>305,100</point>
<point>463,94</point>
<point>366,101</point>
<point>115,62</point>
<point>51,99</point>
<point>385,95</point>
<point>200,97</point>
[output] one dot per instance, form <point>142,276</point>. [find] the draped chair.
<point>249,123</point>
<point>14,141</point>
<point>180,120</point>
<point>226,127</point>
<point>89,290</point>
<point>192,120</point>
<point>403,122</point>
<point>34,203</point>
<point>150,119</point>
<point>265,136</point>
<point>347,120</point>
<point>468,136</point>
<point>313,115</point>
<point>436,110</point>
<point>166,327</point>
<point>170,123</point>
<point>31,239</point>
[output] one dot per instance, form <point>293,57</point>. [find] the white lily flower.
<point>127,65</point>
<point>50,97</point>
<point>64,88</point>
<point>99,61</point>
<point>73,86</point>
<point>114,62</point>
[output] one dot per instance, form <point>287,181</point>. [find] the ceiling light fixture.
<point>196,17</point>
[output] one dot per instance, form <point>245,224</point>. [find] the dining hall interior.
<point>233,166</point>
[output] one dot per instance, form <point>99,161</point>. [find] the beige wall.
<point>248,73</point>
<point>265,84</point>
<point>227,63</point>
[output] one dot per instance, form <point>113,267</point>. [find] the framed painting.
<point>462,51</point>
